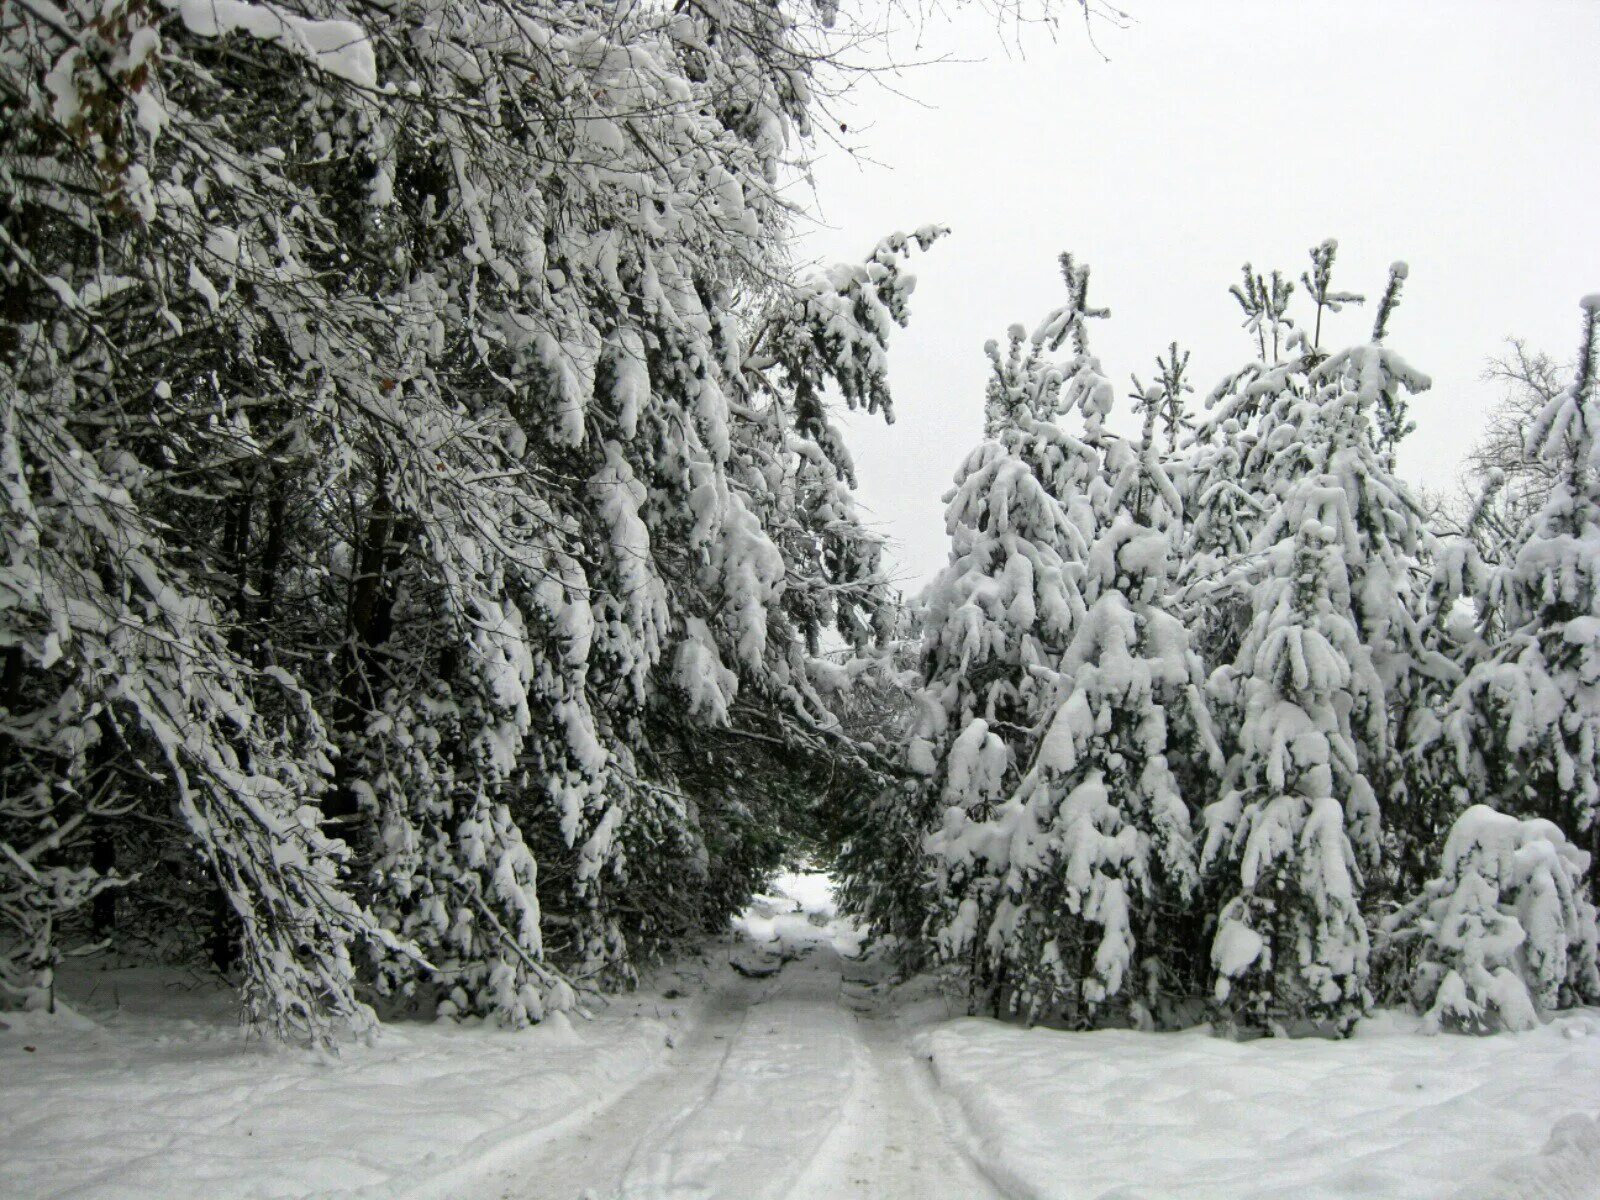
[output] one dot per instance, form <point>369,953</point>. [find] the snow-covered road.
<point>778,1065</point>
<point>790,1082</point>
<point>798,1077</point>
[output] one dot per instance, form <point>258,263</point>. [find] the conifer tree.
<point>1525,723</point>
<point>1317,420</point>
<point>1359,404</point>
<point>1101,936</point>
<point>1290,949</point>
<point>1346,540</point>
<point>1506,931</point>
<point>998,618</point>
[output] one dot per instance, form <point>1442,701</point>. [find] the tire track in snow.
<point>894,1141</point>
<point>584,1158</point>
<point>778,1092</point>
<point>772,1103</point>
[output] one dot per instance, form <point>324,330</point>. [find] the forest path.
<point>795,1080</point>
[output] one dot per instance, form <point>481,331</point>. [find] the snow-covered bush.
<point>1506,932</point>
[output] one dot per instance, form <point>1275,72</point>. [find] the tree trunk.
<point>368,626</point>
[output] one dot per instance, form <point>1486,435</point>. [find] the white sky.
<point>1460,136</point>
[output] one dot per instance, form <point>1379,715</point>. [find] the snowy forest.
<point>1221,720</point>
<point>432,581</point>
<point>423,516</point>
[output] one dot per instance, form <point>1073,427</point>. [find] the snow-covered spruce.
<point>1506,932</point>
<point>997,620</point>
<point>1360,405</point>
<point>1307,436</point>
<point>1316,422</point>
<point>1100,919</point>
<point>1525,723</point>
<point>1290,950</point>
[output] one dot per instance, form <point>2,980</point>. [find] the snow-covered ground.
<point>798,1082</point>
<point>781,1066</point>
<point>162,1096</point>
<point>1390,1113</point>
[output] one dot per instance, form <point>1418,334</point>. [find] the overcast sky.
<point>1460,136</point>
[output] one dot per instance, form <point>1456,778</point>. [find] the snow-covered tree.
<point>1391,405</point>
<point>1505,932</point>
<point>997,619</point>
<point>1318,421</point>
<point>1290,948</point>
<point>1525,724</point>
<point>416,437</point>
<point>995,623</point>
<point>1101,933</point>
<point>121,680</point>
<point>1354,544</point>
<point>1361,397</point>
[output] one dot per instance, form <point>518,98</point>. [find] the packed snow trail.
<point>791,1081</point>
<point>788,1073</point>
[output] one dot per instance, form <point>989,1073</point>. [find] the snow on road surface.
<point>812,1084</point>
<point>781,1073</point>
<point>781,1066</point>
<point>796,1082</point>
